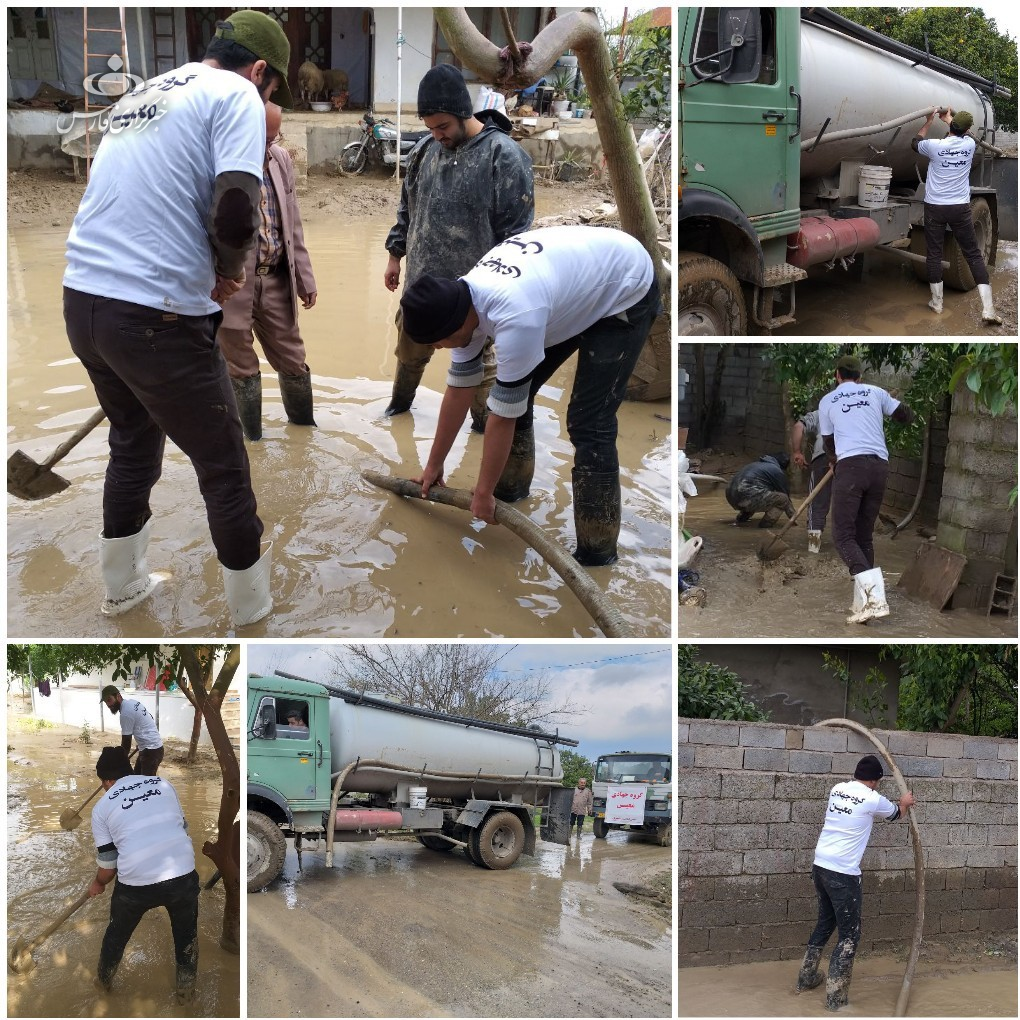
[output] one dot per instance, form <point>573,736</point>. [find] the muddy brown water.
<point>398,930</point>
<point>802,594</point>
<point>766,989</point>
<point>348,559</point>
<point>47,868</point>
<point>891,301</point>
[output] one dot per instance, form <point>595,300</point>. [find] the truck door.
<point>741,110</point>
<point>289,755</point>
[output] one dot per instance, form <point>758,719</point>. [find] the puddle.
<point>349,560</point>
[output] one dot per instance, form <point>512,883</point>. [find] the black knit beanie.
<point>113,763</point>
<point>869,767</point>
<point>433,308</point>
<point>442,90</point>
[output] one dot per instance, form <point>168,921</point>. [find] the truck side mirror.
<point>740,27</point>
<point>264,726</point>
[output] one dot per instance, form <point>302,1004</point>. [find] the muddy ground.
<point>398,930</point>
<point>348,559</point>
<point>801,594</point>
<point>967,976</point>
<point>49,770</point>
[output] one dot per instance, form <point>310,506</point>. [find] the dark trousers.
<point>857,491</point>
<point>839,907</point>
<point>158,374</point>
<point>130,902</point>
<point>818,511</point>
<point>959,221</point>
<point>147,762</point>
<point>577,820</point>
<point>607,352</point>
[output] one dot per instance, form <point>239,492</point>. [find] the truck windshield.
<point>652,769</point>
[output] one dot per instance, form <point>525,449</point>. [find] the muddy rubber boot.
<point>405,385</point>
<point>248,394</point>
<point>989,315</point>
<point>935,304</point>
<point>596,516</point>
<point>515,481</point>
<point>809,976</point>
<point>869,597</point>
<point>814,541</point>
<point>185,989</point>
<point>125,571</point>
<point>247,590</point>
<point>841,970</point>
<point>296,391</point>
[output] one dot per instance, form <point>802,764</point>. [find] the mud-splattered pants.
<point>857,490</point>
<point>839,906</point>
<point>131,902</point>
<point>158,374</point>
<point>818,510</point>
<point>958,219</point>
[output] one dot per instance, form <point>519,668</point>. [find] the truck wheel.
<point>267,848</point>
<point>664,834</point>
<point>434,843</point>
<point>711,301</point>
<point>958,275</point>
<point>600,828</point>
<point>500,841</point>
<point>352,159</point>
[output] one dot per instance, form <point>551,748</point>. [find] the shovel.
<point>773,548</point>
<point>28,480</point>
<point>70,818</point>
<point>20,957</point>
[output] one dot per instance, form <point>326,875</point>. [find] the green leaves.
<point>708,691</point>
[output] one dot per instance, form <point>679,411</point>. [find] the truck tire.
<point>600,828</point>
<point>499,841</point>
<point>434,842</point>
<point>267,848</point>
<point>711,301</point>
<point>664,834</point>
<point>958,276</point>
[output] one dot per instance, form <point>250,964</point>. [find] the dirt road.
<point>398,930</point>
<point>47,868</point>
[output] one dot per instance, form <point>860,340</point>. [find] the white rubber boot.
<point>869,597</point>
<point>936,297</point>
<point>988,312</point>
<point>814,541</point>
<point>247,590</point>
<point>125,571</point>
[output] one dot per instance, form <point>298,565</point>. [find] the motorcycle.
<point>377,146</point>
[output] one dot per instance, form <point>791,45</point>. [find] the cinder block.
<point>682,861</point>
<point>683,732</point>
<point>707,731</point>
<point>704,960</point>
<point>970,920</point>
<point>861,745</point>
<point>1001,878</point>
<point>843,765</point>
<point>741,837</point>
<point>804,787</point>
<point>744,787</point>
<point>977,834</point>
<point>793,933</point>
<point>945,857</point>
<point>948,923</point>
<point>898,857</point>
<point>738,888</point>
<point>893,834</point>
<point>804,908</point>
<point>756,955</point>
<point>1009,813</point>
<point>891,926</point>
<point>927,790</point>
<point>696,837</point>
<point>763,759</point>
<point>768,862</point>
<point>954,879</point>
<point>958,835</point>
<point>946,811</point>
<point>790,886</point>
<point>982,812</point>
<point>964,790</point>
<point>763,736</point>
<point>944,746</point>
<point>992,769</point>
<point>986,857</point>
<point>684,756</point>
<point>691,940</point>
<point>707,915</point>
<point>808,811</point>
<point>886,883</point>
<point>983,899</point>
<point>974,878</point>
<point>895,903</point>
<point>761,912</point>
<point>1004,793</point>
<point>825,739</point>
<point>711,862</point>
<point>703,810</point>
<point>981,747</point>
<point>803,861</point>
<point>794,739</point>
<point>793,836</point>
<point>959,768</point>
<point>763,811</point>
<point>905,742</point>
<point>911,766</point>
<point>1007,750</point>
<point>708,757</point>
<point>998,920</point>
<point>698,784</point>
<point>736,937</point>
<point>810,761</point>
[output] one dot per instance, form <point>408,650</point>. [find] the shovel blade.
<point>70,819</point>
<point>28,480</point>
<point>20,957</point>
<point>772,550</point>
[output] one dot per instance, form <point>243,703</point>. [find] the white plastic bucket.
<point>419,797</point>
<point>873,186</point>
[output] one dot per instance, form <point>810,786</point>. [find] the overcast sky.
<point>1007,17</point>
<point>627,688</point>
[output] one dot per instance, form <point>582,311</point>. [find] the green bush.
<point>708,691</point>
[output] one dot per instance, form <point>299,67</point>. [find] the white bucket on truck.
<point>419,797</point>
<point>873,186</point>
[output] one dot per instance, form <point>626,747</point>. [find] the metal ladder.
<point>92,107</point>
<point>1002,597</point>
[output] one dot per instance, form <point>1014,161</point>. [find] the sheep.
<point>335,81</point>
<point>310,81</point>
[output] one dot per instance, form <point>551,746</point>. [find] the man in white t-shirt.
<point>836,873</point>
<point>136,721</point>
<point>142,840</point>
<point>158,244</point>
<point>542,295</point>
<point>851,419</point>
<point>818,510</point>
<point>947,205</point>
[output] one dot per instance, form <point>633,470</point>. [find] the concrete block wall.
<point>752,803</point>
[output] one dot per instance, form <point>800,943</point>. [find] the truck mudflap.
<point>556,816</point>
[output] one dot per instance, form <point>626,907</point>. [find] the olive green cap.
<point>848,363</point>
<point>962,121</point>
<point>266,39</point>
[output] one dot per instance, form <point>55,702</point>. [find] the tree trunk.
<point>224,852</point>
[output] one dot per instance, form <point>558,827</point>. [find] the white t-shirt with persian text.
<point>136,721</point>
<point>139,829</point>
<point>854,413</point>
<point>141,233</point>
<point>850,813</point>
<point>949,162</point>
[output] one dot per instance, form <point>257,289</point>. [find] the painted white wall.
<point>418,28</point>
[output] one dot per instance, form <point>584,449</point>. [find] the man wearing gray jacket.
<point>467,188</point>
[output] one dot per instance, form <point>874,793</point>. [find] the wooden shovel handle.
<point>99,788</point>
<point>72,441</point>
<point>810,497</point>
<point>54,925</point>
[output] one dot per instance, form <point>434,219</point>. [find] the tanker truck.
<point>633,790</point>
<point>327,766</point>
<point>795,130</point>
